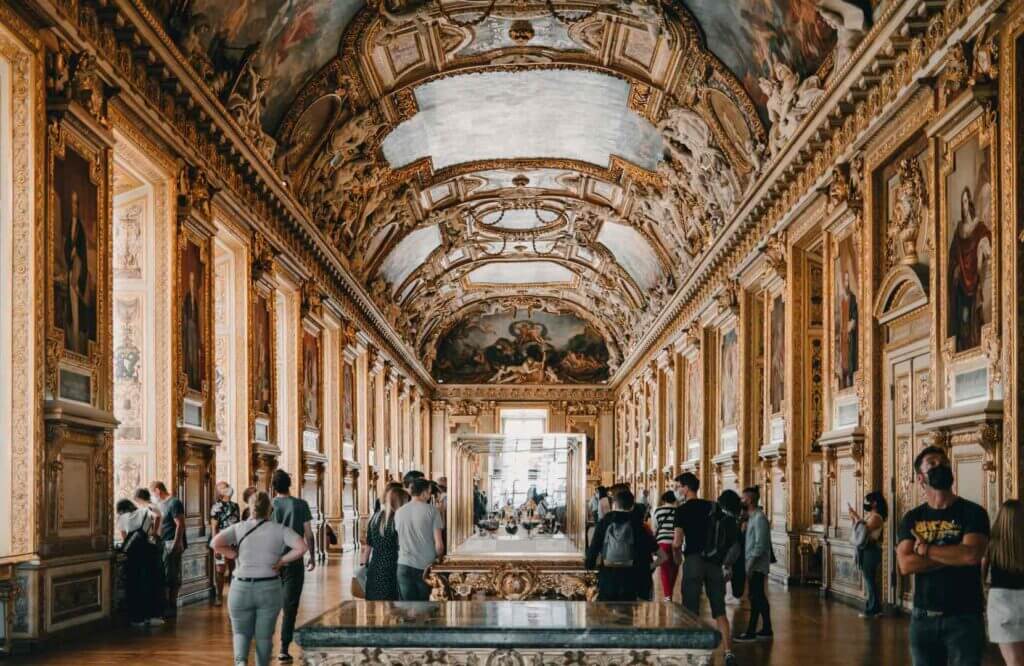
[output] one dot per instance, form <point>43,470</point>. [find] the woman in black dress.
<point>382,539</point>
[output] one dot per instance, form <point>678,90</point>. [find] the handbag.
<point>358,586</point>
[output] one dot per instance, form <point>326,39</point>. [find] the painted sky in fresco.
<point>744,33</point>
<point>297,38</point>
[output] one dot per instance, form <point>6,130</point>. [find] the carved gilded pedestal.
<point>512,581</point>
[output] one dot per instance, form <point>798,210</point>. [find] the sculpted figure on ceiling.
<point>698,163</point>
<point>789,102</point>
<point>246,101</point>
<point>849,22</point>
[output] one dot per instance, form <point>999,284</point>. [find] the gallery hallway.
<point>809,631</point>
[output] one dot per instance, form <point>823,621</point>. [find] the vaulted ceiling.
<point>521,184</point>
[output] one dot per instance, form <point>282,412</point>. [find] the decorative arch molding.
<point>903,291</point>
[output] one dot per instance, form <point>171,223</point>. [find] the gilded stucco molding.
<point>22,49</point>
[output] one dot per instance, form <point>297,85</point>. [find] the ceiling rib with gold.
<point>522,185</point>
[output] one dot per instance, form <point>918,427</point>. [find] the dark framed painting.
<point>193,315</point>
<point>311,380</point>
<point>969,243</point>
<point>263,357</point>
<point>75,253</point>
<point>846,312</point>
<point>348,402</point>
<point>729,381</point>
<point>777,386</point>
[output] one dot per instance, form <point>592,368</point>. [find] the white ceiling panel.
<point>412,251</point>
<point>633,252</point>
<point>539,113</point>
<point>521,272</point>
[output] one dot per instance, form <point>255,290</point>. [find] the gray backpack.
<point>617,551</point>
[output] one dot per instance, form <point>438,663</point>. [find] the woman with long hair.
<point>255,599</point>
<point>867,537</point>
<point>1005,562</point>
<point>664,531</point>
<point>381,552</point>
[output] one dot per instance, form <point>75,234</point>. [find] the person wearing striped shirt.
<point>664,529</point>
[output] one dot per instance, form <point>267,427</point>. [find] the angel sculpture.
<point>849,22</point>
<point>789,101</point>
<point>689,141</point>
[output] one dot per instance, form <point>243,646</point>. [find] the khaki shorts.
<point>172,565</point>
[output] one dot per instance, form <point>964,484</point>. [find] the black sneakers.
<point>745,637</point>
<point>730,659</point>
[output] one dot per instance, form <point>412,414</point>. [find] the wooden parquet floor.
<point>809,631</point>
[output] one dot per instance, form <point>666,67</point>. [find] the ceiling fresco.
<point>522,348</point>
<point>748,35</point>
<point>521,185</point>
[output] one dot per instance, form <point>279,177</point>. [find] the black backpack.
<point>721,545</point>
<point>619,545</point>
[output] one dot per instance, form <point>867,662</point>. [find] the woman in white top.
<point>258,545</point>
<point>142,581</point>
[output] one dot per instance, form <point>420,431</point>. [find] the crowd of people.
<point>266,575</point>
<point>946,544</point>
<point>696,546</point>
<point>404,537</point>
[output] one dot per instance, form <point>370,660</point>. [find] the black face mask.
<point>940,477</point>
<point>867,506</point>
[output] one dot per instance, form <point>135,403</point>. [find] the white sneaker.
<point>732,601</point>
<point>154,621</point>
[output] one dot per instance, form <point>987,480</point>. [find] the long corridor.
<point>809,631</point>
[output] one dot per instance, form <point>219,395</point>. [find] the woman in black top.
<point>867,537</point>
<point>382,539</point>
<point>1004,560</point>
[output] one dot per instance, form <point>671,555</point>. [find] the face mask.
<point>940,477</point>
<point>867,506</point>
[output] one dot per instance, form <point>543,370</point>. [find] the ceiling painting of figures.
<point>522,348</point>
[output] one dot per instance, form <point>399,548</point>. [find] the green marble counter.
<point>510,625</point>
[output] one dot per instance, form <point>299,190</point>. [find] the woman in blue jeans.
<point>867,536</point>
<point>254,601</point>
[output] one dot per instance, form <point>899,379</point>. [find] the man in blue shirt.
<point>172,532</point>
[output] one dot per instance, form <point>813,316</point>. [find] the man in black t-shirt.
<point>292,512</point>
<point>941,544</point>
<point>691,529</point>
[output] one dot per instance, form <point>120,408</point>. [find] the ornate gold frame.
<point>983,128</point>
<point>205,396</point>
<point>64,135</point>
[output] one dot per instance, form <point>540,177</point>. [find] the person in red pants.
<point>664,526</point>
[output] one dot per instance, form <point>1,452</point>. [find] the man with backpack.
<point>704,540</point>
<point>622,550</point>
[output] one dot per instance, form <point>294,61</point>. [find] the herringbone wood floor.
<point>809,631</point>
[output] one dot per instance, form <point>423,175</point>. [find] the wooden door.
<point>908,398</point>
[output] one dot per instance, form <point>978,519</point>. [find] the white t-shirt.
<point>129,522</point>
<point>262,548</point>
<point>415,523</point>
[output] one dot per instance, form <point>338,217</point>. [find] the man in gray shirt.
<point>420,541</point>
